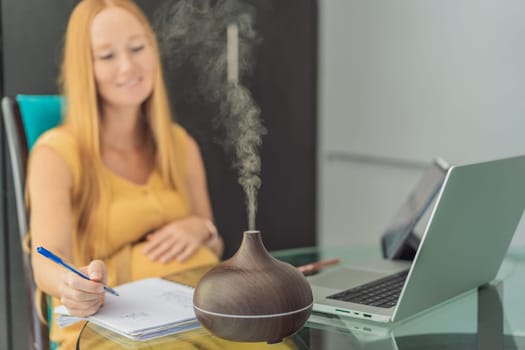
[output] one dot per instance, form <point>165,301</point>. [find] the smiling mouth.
<point>130,83</point>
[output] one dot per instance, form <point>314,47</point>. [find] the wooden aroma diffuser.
<point>253,296</point>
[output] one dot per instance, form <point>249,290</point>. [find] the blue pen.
<point>59,261</point>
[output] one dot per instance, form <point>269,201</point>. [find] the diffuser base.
<point>271,329</point>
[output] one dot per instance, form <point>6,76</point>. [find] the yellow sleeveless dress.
<point>128,212</point>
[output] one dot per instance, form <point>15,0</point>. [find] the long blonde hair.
<point>82,116</point>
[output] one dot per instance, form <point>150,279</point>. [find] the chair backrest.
<point>25,119</point>
<point>39,113</point>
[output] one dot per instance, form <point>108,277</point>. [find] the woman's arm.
<point>50,182</point>
<point>181,238</point>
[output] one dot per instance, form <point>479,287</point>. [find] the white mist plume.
<point>194,32</point>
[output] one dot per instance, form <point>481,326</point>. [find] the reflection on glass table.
<point>491,317</point>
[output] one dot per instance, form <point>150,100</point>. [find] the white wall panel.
<point>360,199</point>
<point>410,80</point>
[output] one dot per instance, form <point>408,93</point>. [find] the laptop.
<point>470,228</point>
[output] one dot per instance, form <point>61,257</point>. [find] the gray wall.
<point>402,82</point>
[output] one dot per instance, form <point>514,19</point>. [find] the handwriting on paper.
<point>177,298</point>
<point>134,315</point>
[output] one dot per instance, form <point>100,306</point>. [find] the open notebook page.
<point>148,306</point>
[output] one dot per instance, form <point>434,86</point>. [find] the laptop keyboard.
<point>383,292</point>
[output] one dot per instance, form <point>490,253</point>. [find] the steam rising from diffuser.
<point>217,38</point>
<point>248,139</point>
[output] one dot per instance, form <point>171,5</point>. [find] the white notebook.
<point>145,309</point>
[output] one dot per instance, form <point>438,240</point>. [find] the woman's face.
<point>123,59</point>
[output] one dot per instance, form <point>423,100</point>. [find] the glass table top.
<point>492,317</point>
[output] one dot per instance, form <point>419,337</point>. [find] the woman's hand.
<point>177,240</point>
<point>82,297</point>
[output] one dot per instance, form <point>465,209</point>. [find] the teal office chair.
<point>25,118</point>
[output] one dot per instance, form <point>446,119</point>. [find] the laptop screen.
<point>399,230</point>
